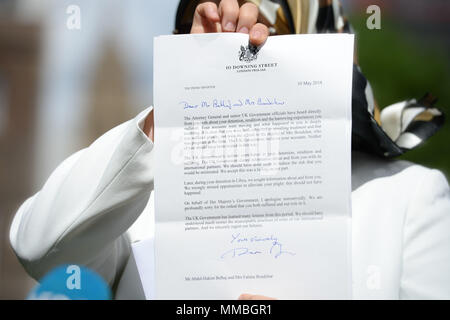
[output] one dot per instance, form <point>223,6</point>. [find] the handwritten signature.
<point>229,104</point>
<point>273,247</point>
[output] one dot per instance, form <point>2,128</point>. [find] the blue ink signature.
<point>237,238</point>
<point>237,252</point>
<point>229,104</point>
<point>276,248</point>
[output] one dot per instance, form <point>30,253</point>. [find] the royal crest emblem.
<point>248,53</point>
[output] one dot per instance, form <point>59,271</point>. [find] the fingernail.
<point>229,26</point>
<point>256,34</point>
<point>213,13</point>
<point>243,30</point>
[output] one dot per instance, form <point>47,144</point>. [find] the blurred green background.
<point>403,63</point>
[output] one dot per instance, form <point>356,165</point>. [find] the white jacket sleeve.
<point>426,241</point>
<point>84,209</point>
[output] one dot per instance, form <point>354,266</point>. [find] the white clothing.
<point>400,219</point>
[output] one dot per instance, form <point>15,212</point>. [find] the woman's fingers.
<point>248,15</point>
<point>258,34</point>
<point>229,11</point>
<point>206,17</point>
<point>248,296</point>
<point>229,17</point>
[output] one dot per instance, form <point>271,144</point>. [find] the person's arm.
<point>81,214</point>
<point>426,241</point>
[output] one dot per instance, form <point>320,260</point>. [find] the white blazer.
<point>400,219</point>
